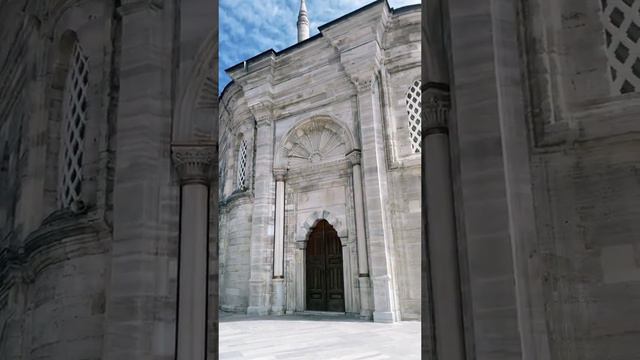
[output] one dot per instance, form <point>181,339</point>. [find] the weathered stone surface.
<point>99,279</point>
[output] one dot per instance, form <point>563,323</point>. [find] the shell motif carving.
<point>315,142</point>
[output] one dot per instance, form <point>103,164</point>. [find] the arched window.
<point>414,110</point>
<point>74,119</point>
<point>621,20</point>
<point>242,165</point>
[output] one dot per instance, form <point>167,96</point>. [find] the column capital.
<point>435,107</point>
<point>301,244</point>
<point>280,174</point>
<point>263,113</point>
<point>354,157</point>
<point>362,84</point>
<point>194,162</point>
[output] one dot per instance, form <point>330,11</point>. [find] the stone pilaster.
<point>364,281</point>
<point>144,232</point>
<point>278,249</point>
<point>385,306</point>
<point>194,165</point>
<point>262,226</point>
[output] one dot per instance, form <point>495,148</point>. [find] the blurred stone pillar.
<point>194,165</point>
<point>440,250</point>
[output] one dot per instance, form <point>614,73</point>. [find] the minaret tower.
<point>303,22</point>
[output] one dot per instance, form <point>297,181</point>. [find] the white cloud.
<point>249,27</point>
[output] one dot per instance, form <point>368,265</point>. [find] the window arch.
<point>414,110</point>
<point>242,165</point>
<point>74,119</point>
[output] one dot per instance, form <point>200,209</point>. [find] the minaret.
<point>303,22</point>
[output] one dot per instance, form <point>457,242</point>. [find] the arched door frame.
<point>349,267</point>
<point>324,236</point>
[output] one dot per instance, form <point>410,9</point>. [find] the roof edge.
<point>399,10</point>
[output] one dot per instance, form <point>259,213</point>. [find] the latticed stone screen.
<point>73,127</point>
<point>242,165</point>
<point>414,109</point>
<point>621,20</point>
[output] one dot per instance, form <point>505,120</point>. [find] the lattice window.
<point>74,119</point>
<point>414,109</point>
<point>242,166</point>
<point>621,19</point>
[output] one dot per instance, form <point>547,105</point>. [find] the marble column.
<point>278,246</point>
<point>364,281</point>
<point>439,236</point>
<point>194,166</point>
<point>262,225</point>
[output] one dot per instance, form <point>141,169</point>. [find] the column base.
<point>384,317</point>
<point>259,297</point>
<point>278,297</point>
<point>364,284</point>
<point>258,310</point>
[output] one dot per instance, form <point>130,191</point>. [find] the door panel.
<point>325,285</point>
<point>316,294</point>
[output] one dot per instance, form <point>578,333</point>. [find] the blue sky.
<point>249,27</point>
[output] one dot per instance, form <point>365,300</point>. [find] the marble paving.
<point>316,337</point>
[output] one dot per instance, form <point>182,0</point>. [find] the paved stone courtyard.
<point>315,337</point>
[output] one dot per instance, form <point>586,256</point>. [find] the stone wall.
<point>585,173</point>
<point>52,263</point>
<point>98,279</point>
<point>546,180</point>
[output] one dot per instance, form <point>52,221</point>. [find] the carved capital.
<point>263,114</point>
<point>263,121</point>
<point>435,107</point>
<point>194,163</point>
<point>280,174</point>
<point>362,84</point>
<point>354,157</point>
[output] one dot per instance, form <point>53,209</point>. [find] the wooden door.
<point>325,286</point>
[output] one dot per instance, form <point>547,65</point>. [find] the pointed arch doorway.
<point>324,277</point>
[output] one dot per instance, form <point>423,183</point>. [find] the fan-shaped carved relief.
<point>318,141</point>
<point>208,94</point>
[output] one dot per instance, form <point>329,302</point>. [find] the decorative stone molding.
<point>354,157</point>
<point>194,163</point>
<point>132,7</point>
<point>435,107</point>
<point>303,146</point>
<point>305,228</point>
<point>280,174</point>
